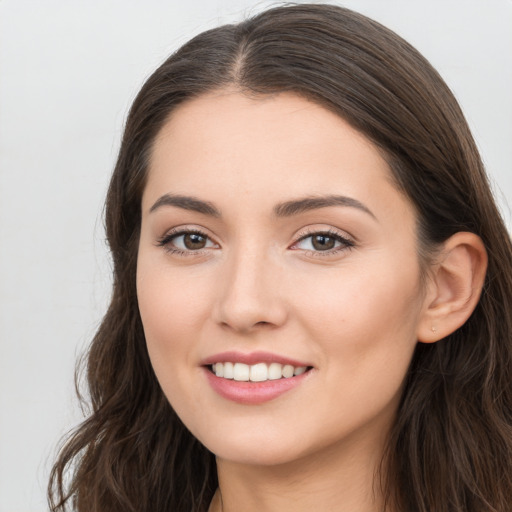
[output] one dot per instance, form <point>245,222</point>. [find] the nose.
<point>250,293</point>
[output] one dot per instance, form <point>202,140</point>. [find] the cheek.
<point>364,320</point>
<point>171,303</point>
<point>172,308</point>
<point>365,331</point>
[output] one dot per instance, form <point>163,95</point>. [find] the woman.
<point>312,287</point>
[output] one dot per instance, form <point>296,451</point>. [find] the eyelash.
<point>345,243</point>
<point>166,240</point>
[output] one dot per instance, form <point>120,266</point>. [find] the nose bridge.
<point>249,295</point>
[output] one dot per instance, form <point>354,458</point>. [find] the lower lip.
<point>252,393</point>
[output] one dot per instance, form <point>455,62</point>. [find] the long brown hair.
<point>451,446</point>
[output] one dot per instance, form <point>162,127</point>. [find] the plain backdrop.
<point>68,72</point>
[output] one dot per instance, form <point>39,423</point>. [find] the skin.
<point>354,315</point>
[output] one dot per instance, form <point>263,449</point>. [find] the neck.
<point>339,478</point>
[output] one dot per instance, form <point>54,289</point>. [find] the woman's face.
<point>274,242</point>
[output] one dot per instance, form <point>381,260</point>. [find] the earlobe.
<point>454,286</point>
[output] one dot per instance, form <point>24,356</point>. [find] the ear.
<point>454,287</point>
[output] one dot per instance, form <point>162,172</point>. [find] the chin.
<point>257,456</point>
<point>253,448</point>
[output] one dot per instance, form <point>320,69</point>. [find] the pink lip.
<point>252,358</point>
<point>252,393</point>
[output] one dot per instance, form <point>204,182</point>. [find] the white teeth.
<point>228,371</point>
<point>219,370</point>
<point>287,371</point>
<point>241,371</point>
<point>275,371</point>
<point>259,372</point>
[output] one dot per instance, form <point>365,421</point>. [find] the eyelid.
<point>327,230</point>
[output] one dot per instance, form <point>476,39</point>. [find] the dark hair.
<point>451,446</point>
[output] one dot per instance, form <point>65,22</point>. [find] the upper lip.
<point>251,358</point>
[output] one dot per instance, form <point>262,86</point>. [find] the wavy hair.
<point>450,448</point>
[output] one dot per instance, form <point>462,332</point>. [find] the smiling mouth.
<point>259,372</point>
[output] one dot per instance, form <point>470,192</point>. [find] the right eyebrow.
<point>186,203</point>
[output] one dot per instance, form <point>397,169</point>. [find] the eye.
<point>323,242</point>
<point>186,241</point>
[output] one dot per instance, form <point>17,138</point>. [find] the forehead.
<point>225,144</point>
<point>230,121</point>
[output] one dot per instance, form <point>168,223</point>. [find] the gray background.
<point>68,72</point>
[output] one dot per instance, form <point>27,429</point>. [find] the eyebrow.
<point>186,203</point>
<point>296,206</point>
<point>285,209</point>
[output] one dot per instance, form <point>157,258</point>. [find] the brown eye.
<point>186,242</point>
<point>194,241</point>
<point>323,242</point>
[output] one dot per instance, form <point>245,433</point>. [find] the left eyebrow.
<point>296,206</point>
